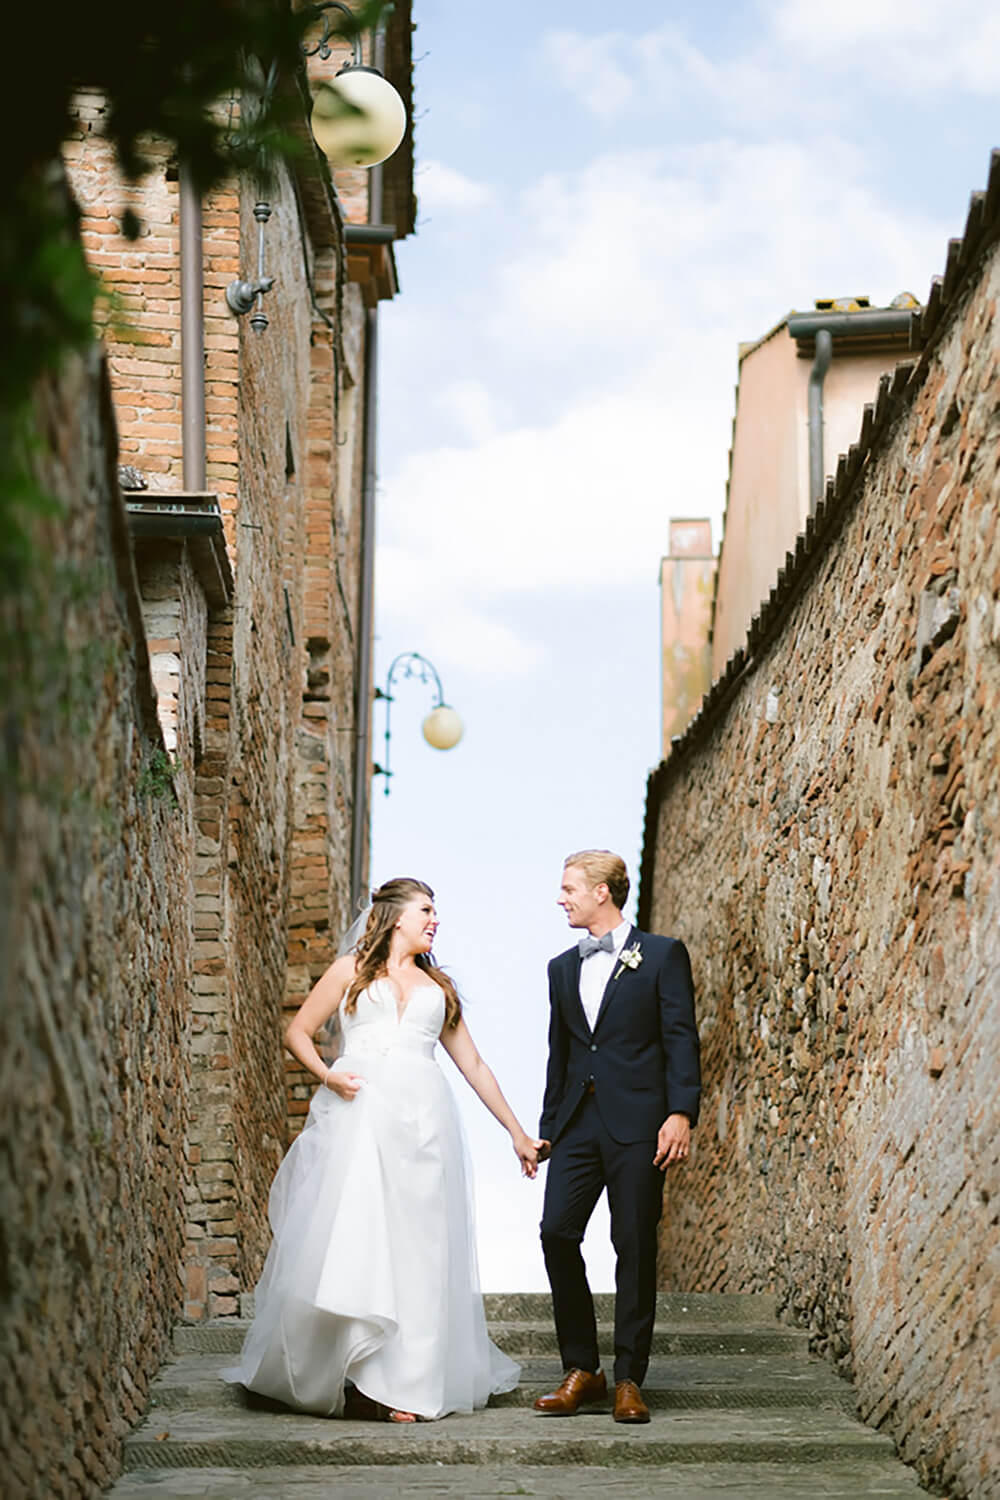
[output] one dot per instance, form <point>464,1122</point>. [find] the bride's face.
<point>417,923</point>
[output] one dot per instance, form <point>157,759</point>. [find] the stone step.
<point>832,1479</point>
<point>251,1439</point>
<point>538,1338</point>
<point>750,1308</point>
<point>686,1381</point>
<point>736,1308</point>
<point>519,1339</point>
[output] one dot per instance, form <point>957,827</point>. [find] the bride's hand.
<point>526,1151</point>
<point>344,1085</point>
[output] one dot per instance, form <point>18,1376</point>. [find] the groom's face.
<point>581,901</point>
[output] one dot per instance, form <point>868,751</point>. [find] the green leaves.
<point>163,70</point>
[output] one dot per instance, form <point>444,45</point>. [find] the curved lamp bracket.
<point>322,48</point>
<point>412,664</point>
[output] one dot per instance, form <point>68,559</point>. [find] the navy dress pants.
<point>584,1161</point>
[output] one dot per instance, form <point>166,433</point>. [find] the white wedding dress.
<point>372,1275</point>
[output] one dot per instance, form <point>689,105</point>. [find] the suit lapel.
<point>575,1014</point>
<point>611,988</point>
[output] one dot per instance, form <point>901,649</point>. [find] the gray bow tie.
<point>589,945</point>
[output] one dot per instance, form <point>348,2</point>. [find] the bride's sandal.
<point>401,1416</point>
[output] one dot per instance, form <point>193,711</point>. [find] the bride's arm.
<point>460,1047</point>
<point>320,1004</point>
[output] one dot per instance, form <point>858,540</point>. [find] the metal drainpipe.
<point>366,612</point>
<point>360,825</point>
<point>192,335</point>
<point>817,375</point>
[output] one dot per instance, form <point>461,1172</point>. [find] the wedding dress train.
<point>372,1275</point>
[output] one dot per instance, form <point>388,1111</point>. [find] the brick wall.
<point>96,903</point>
<point>325,734</point>
<point>826,841</point>
<point>267,689</point>
<point>256,700</point>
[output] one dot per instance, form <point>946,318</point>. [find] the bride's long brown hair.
<point>372,952</point>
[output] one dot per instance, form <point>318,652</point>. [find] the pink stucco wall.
<point>768,496</point>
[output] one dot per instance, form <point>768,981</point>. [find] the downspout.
<point>366,618</point>
<point>360,822</point>
<point>869,324</point>
<point>192,335</point>
<point>817,375</point>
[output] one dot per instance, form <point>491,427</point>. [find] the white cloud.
<point>674,257</point>
<point>661,73</point>
<point>454,627</point>
<point>909,45</point>
<point>668,246</point>
<point>898,46</point>
<point>586,66</point>
<point>473,408</point>
<point>441,188</point>
<point>540,514</point>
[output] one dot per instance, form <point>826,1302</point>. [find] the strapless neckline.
<point>414,989</point>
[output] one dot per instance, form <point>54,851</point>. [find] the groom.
<point>621,1097</point>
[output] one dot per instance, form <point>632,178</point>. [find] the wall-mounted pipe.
<point>820,328</point>
<point>192,335</point>
<point>867,321</point>
<point>366,618</point>
<point>372,233</point>
<point>817,375</point>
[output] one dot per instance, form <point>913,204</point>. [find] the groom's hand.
<point>673,1141</point>
<point>544,1150</point>
<point>527,1153</point>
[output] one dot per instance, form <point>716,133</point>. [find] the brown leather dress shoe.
<point>578,1387</point>
<point>629,1405</point>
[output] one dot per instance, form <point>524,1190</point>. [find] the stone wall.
<point>96,905</point>
<point>826,838</point>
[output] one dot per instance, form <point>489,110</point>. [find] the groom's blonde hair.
<point>601,867</point>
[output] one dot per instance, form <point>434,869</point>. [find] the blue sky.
<point>612,198</point>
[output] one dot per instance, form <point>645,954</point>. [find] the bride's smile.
<point>416,926</point>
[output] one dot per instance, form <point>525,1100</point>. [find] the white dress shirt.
<point>596,970</point>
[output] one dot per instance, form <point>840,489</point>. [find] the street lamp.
<point>442,728</point>
<point>358,119</point>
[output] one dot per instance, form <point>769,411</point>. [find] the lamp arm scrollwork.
<point>406,664</point>
<point>322,48</point>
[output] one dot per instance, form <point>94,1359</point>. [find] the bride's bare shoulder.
<point>340,974</point>
<point>345,967</point>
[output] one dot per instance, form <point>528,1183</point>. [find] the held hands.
<point>673,1141</point>
<point>527,1152</point>
<point>344,1085</point>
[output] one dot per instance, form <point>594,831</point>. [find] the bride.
<point>371,1280</point>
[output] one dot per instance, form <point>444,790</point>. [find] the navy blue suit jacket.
<point>642,1057</point>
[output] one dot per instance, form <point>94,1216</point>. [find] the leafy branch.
<point>162,70</point>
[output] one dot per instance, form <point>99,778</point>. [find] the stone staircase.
<point>740,1408</point>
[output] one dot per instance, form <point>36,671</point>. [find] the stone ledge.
<point>193,518</point>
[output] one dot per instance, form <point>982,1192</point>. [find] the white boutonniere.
<point>629,958</point>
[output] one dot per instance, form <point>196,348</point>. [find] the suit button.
<point>593,1046</point>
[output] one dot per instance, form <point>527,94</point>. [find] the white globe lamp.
<point>358,119</point>
<point>443,728</point>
